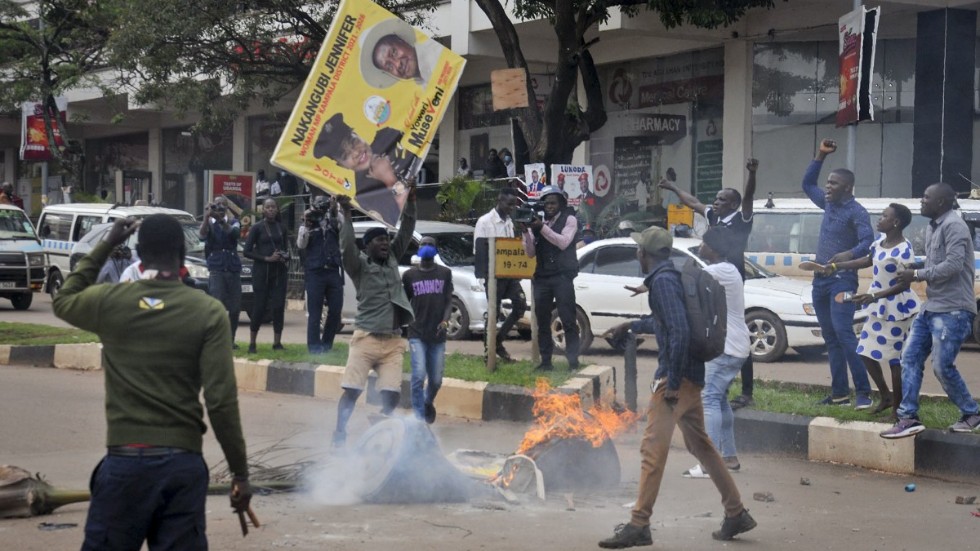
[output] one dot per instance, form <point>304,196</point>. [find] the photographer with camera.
<point>550,237</point>
<point>498,223</point>
<point>220,232</point>
<point>268,245</point>
<point>319,237</point>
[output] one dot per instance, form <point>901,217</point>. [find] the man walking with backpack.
<point>675,399</point>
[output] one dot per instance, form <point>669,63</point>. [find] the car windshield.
<point>455,249</point>
<point>14,225</point>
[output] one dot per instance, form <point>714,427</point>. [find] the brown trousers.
<point>688,414</point>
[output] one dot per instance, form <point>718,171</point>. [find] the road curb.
<point>933,452</point>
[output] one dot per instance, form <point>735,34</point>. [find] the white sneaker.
<point>696,472</point>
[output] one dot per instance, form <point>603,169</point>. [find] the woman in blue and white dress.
<point>890,304</point>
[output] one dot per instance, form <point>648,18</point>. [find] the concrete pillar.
<point>736,129</point>
<point>154,162</point>
<point>239,144</point>
<point>943,128</point>
<point>447,141</point>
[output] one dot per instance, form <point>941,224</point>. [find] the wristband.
<point>833,266</point>
<point>873,297</point>
<point>915,275</point>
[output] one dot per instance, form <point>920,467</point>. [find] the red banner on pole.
<point>34,144</point>
<point>857,32</point>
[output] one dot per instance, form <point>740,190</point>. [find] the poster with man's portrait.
<point>535,178</point>
<point>576,182</point>
<point>370,109</point>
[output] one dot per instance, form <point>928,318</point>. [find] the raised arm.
<point>685,197</point>
<point>748,194</point>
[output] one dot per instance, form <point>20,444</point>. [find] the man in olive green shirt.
<point>382,310</point>
<point>162,343</point>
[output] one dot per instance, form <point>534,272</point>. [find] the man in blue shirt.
<point>220,231</point>
<point>845,234</point>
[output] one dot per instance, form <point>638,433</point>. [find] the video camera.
<point>527,212</point>
<point>317,211</point>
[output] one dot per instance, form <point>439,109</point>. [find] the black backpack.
<point>707,311</point>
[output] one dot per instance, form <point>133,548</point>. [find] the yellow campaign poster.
<point>369,110</point>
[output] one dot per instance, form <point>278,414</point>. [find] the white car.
<point>778,310</point>
<point>455,242</point>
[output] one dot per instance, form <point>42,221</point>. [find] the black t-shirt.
<point>740,230</point>
<point>429,291</point>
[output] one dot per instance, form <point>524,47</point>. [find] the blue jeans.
<point>719,421</point>
<point>159,500</point>
<point>428,360</point>
<point>227,288</point>
<point>837,326</point>
<point>323,284</point>
<point>942,334</point>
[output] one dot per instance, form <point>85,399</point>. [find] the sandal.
<point>696,472</point>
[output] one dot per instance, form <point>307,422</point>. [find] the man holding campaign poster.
<point>369,110</point>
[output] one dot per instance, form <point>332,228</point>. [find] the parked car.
<point>23,263</point>
<point>778,310</point>
<point>61,226</point>
<point>456,252</point>
<point>196,265</point>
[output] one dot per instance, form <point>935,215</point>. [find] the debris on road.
<point>804,481</point>
<point>910,487</point>
<point>25,495</point>
<point>49,526</point>
<point>960,500</point>
<point>765,497</point>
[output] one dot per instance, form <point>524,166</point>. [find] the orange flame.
<point>560,416</point>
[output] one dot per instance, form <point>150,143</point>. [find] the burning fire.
<point>560,416</point>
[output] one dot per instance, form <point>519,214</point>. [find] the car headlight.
<point>35,259</point>
<point>198,271</point>
<point>808,308</point>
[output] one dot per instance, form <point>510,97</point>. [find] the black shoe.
<point>545,367</point>
<point>251,349</point>
<point>278,347</point>
<point>628,535</point>
<point>733,526</point>
<point>503,354</point>
<point>573,366</point>
<point>741,401</point>
<point>234,346</point>
<point>430,413</point>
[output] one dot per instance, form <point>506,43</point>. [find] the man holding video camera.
<point>319,237</point>
<point>220,232</point>
<point>550,237</point>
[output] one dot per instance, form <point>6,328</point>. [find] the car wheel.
<point>459,322</point>
<point>22,301</point>
<point>584,331</point>
<point>767,334</point>
<point>55,281</point>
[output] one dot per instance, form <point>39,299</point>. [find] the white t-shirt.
<point>737,336</point>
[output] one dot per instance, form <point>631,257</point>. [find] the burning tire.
<point>572,464</point>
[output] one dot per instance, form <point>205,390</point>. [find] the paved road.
<point>812,369</point>
<point>53,424</point>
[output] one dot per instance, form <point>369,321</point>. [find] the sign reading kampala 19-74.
<point>369,110</point>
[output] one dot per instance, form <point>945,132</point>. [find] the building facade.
<point>696,101</point>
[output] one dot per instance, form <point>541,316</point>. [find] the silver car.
<point>456,252</point>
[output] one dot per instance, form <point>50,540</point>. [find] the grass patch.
<point>37,334</point>
<point>458,366</point>
<point>798,399</point>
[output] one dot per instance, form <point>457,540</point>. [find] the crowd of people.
<point>901,330</point>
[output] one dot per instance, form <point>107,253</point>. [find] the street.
<point>54,424</point>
